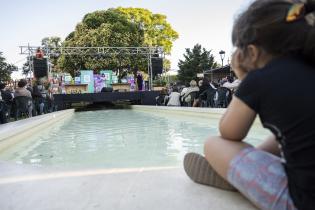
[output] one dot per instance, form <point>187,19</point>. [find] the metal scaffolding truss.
<point>52,51</point>
<point>147,52</point>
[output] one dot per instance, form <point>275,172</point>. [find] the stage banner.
<point>99,82</point>
<point>87,77</point>
<point>107,75</point>
<point>131,81</point>
<point>77,80</point>
<point>67,79</point>
<point>114,79</point>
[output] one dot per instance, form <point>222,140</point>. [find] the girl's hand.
<point>236,64</point>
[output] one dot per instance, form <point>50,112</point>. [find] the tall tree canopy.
<point>5,69</point>
<point>157,31</point>
<point>120,27</point>
<point>53,41</point>
<point>195,61</point>
<point>100,29</point>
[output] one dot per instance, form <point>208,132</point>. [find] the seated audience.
<point>203,85</point>
<point>6,94</point>
<point>231,83</point>
<point>214,85</point>
<point>22,105</point>
<point>160,99</point>
<point>39,99</point>
<point>7,100</point>
<point>173,98</point>
<point>184,90</point>
<point>193,88</point>
<point>21,90</point>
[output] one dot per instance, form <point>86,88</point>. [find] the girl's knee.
<point>217,146</point>
<point>210,144</point>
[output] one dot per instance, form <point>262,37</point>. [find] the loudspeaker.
<point>157,66</point>
<point>40,67</point>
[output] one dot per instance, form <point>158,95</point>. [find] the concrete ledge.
<point>189,111</point>
<point>14,132</point>
<point>26,187</point>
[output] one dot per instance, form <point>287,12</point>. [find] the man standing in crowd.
<point>21,90</point>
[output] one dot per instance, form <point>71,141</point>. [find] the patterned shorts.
<point>260,177</point>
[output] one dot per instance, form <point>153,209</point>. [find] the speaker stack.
<point>157,66</point>
<point>40,67</point>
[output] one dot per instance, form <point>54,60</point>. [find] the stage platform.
<point>138,98</point>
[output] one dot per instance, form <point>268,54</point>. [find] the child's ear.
<point>253,53</point>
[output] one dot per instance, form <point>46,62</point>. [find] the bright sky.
<point>206,22</point>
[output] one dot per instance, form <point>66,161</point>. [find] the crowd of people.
<point>204,94</point>
<point>30,98</point>
<point>25,99</point>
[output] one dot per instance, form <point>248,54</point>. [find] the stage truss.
<point>147,52</point>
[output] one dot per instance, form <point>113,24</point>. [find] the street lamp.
<point>222,55</point>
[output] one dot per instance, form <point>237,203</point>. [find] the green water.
<point>115,139</point>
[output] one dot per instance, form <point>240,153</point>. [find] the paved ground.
<point>25,187</point>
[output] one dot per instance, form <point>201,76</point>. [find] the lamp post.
<point>222,55</point>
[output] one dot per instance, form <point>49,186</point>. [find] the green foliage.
<point>172,79</point>
<point>53,41</point>
<point>99,29</point>
<point>166,64</point>
<point>157,31</point>
<point>5,69</point>
<point>26,68</point>
<point>49,42</point>
<point>161,82</point>
<point>196,61</point>
<point>165,79</point>
<point>120,27</point>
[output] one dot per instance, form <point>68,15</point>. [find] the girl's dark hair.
<point>264,25</point>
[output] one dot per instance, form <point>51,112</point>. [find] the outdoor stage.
<point>139,98</point>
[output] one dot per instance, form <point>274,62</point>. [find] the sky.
<point>206,22</point>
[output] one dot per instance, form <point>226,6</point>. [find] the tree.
<point>5,69</point>
<point>157,31</point>
<point>166,64</point>
<point>196,61</point>
<point>98,29</point>
<point>120,27</point>
<point>50,42</point>
<point>26,68</point>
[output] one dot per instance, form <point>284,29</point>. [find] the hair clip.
<point>296,12</point>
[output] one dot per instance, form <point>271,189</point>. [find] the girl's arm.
<point>236,121</point>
